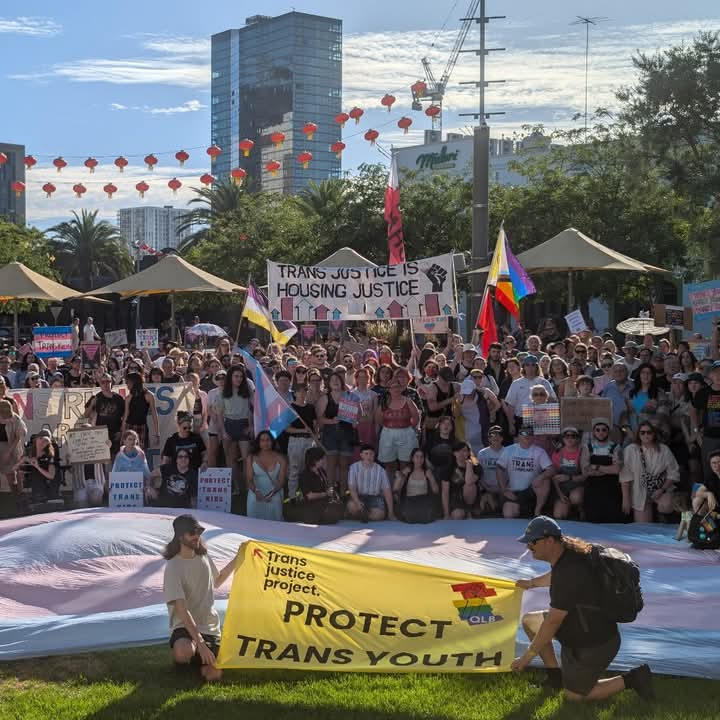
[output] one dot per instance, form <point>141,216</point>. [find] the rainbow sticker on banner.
<point>53,341</point>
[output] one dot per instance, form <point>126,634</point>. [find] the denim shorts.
<point>238,429</point>
<point>338,439</point>
<point>373,502</point>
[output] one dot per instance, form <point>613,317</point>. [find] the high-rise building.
<point>12,206</point>
<point>276,74</point>
<point>156,227</point>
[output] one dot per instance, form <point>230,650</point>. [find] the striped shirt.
<point>368,480</point>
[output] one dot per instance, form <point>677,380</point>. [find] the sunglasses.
<point>605,367</point>
<point>581,352</point>
<point>185,427</point>
<point>601,428</point>
<point>300,372</point>
<point>571,435</point>
<point>538,395</point>
<point>195,533</point>
<point>494,432</point>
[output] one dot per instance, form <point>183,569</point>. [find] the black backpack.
<point>620,595</point>
<point>704,531</point>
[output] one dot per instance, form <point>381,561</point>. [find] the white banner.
<point>215,489</point>
<point>419,288</point>
<point>576,322</point>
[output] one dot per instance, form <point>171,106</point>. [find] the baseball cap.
<point>530,360</point>
<point>715,365</point>
<point>469,347</point>
<point>539,528</point>
<point>696,376</point>
<point>186,524</point>
<point>601,421</point>
<point>45,433</point>
<point>526,430</point>
<point>630,345</point>
<point>570,429</point>
<point>682,377</point>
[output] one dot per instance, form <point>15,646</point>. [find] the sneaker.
<point>640,680</point>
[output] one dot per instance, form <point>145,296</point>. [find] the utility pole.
<point>587,22</point>
<point>481,169</point>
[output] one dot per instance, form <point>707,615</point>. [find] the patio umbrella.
<point>641,326</point>
<point>205,330</point>
<point>570,251</point>
<point>18,282</point>
<point>169,276</point>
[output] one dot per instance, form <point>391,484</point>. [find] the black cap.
<point>186,524</point>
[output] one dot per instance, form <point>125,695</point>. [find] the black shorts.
<point>212,641</point>
<point>583,667</point>
<point>525,499</point>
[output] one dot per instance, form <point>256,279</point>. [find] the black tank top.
<point>447,410</point>
<point>331,409</point>
<point>138,410</point>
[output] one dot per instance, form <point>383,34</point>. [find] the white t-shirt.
<point>487,458</point>
<point>89,333</point>
<point>523,465</point>
<point>519,393</point>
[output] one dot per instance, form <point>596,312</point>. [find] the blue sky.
<point>102,79</point>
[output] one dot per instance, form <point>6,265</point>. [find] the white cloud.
<point>30,26</point>
<point>188,106</point>
<point>118,106</point>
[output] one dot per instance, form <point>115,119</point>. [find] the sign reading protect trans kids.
<point>419,288</point>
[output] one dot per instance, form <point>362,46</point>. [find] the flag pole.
<point>240,319</point>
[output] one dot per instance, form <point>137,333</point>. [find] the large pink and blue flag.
<point>270,411</point>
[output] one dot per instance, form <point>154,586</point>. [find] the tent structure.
<point>169,276</point>
<point>19,282</point>
<point>572,250</point>
<point>346,257</point>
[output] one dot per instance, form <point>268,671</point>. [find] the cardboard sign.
<point>675,317</point>
<point>308,331</point>
<point>116,338</point>
<point>147,339</point>
<point>348,408</point>
<point>215,489</point>
<point>88,445</point>
<point>575,322</point>
<point>53,341</point>
<point>544,419</point>
<point>579,412</point>
<point>127,490</point>
<point>430,325</point>
<point>90,354</point>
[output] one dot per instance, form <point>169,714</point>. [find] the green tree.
<point>87,250</point>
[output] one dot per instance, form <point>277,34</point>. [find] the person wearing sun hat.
<point>601,461</point>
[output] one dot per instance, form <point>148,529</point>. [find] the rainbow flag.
<point>508,276</point>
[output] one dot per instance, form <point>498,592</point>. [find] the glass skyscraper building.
<point>273,75</point>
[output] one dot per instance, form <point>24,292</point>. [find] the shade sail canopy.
<point>346,257</point>
<point>170,275</point>
<point>571,250</point>
<point>18,282</point>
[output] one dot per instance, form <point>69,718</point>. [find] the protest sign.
<point>674,317</point>
<point>576,322</point>
<point>430,325</point>
<point>126,490</point>
<point>305,609</point>
<point>24,349</point>
<point>116,338</point>
<point>699,349</point>
<point>90,355</point>
<point>414,289</point>
<point>53,341</point>
<point>544,419</point>
<point>704,298</point>
<point>348,408</point>
<point>308,331</point>
<point>147,339</point>
<point>580,412</point>
<point>88,445</point>
<point>215,489</point>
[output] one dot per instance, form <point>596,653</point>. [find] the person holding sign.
<point>189,582</point>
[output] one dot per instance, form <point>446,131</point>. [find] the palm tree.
<point>87,249</point>
<point>221,199</point>
<point>327,200</point>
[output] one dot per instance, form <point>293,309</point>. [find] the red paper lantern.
<point>3,158</point>
<point>79,189</point>
<point>30,162</point>
<point>213,151</point>
<point>246,146</point>
<point>304,159</point>
<point>356,113</point>
<point>142,187</point>
<point>91,163</point>
<point>272,167</point>
<point>121,163</point>
<point>174,185</point>
<point>151,161</point>
<point>110,189</point>
<point>243,236</point>
<point>310,128</point>
<point>404,123</point>
<point>18,188</point>
<point>371,136</point>
<point>59,163</point>
<point>182,157</point>
<point>433,111</point>
<point>277,138</point>
<point>48,189</point>
<point>207,179</point>
<point>341,119</point>
<point>388,101</point>
<point>418,88</point>
<point>337,148</point>
<point>238,175</point>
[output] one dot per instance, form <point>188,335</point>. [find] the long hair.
<point>173,548</point>
<point>255,448</point>
<point>137,388</point>
<point>652,388</point>
<point>576,545</point>
<point>243,388</point>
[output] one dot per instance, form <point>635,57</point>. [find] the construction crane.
<point>434,90</point>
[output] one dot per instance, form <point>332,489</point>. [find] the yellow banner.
<point>300,608</point>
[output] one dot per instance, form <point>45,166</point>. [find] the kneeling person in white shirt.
<point>370,493</point>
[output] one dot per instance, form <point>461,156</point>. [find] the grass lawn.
<point>140,684</point>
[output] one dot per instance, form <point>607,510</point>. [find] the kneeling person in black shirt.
<point>589,639</point>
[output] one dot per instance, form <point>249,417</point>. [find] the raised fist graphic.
<point>437,276</point>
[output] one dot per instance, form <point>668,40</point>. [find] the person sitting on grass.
<point>189,582</point>
<point>370,493</point>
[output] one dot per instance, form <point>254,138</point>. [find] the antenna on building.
<point>587,22</point>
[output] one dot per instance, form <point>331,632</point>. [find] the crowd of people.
<point>443,433</point>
